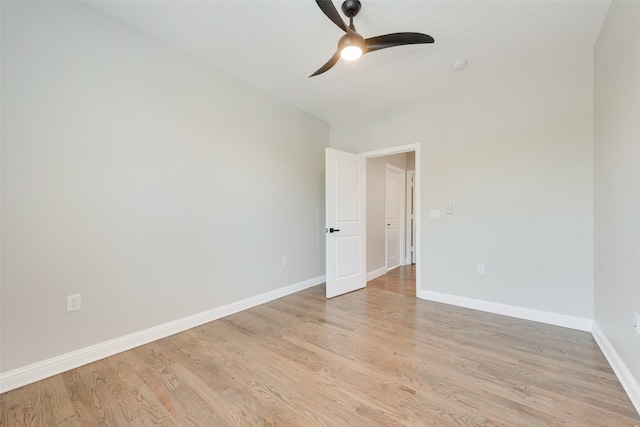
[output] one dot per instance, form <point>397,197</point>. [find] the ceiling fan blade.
<point>332,13</point>
<point>395,39</point>
<point>330,63</point>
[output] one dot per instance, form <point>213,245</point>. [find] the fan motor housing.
<point>351,8</point>
<point>352,39</point>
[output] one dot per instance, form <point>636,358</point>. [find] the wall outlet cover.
<point>74,302</point>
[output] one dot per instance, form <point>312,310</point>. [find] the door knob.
<point>331,230</point>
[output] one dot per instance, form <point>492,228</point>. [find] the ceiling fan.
<point>352,45</point>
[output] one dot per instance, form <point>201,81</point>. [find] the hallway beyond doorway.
<point>401,280</point>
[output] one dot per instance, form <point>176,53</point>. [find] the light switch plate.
<point>434,214</point>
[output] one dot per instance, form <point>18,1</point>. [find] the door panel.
<point>347,256</point>
<point>394,216</point>
<point>346,222</point>
<point>393,242</point>
<point>347,187</point>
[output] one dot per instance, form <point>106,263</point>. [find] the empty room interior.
<point>199,228</point>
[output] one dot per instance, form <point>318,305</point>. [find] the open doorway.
<point>347,267</point>
<point>392,218</point>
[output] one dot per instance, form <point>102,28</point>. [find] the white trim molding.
<point>40,370</point>
<point>629,383</point>
<point>550,318</point>
<point>376,273</point>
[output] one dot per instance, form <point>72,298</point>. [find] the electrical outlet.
<point>284,260</point>
<point>636,322</point>
<point>73,302</point>
<point>481,269</point>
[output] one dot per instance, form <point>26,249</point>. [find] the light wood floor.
<point>375,357</point>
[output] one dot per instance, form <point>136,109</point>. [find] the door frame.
<point>410,255</point>
<point>399,150</point>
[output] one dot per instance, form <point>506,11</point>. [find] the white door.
<point>395,216</point>
<point>346,222</point>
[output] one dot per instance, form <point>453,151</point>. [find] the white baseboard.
<point>629,383</point>
<point>556,319</point>
<point>376,273</point>
<point>38,371</point>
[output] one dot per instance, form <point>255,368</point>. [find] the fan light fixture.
<point>351,53</point>
<point>351,46</point>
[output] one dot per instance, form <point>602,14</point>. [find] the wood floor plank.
<point>44,403</point>
<point>374,357</point>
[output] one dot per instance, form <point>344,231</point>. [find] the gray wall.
<point>617,180</point>
<point>515,157</point>
<point>152,184</point>
<point>376,207</point>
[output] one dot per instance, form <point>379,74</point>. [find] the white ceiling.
<point>276,45</point>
